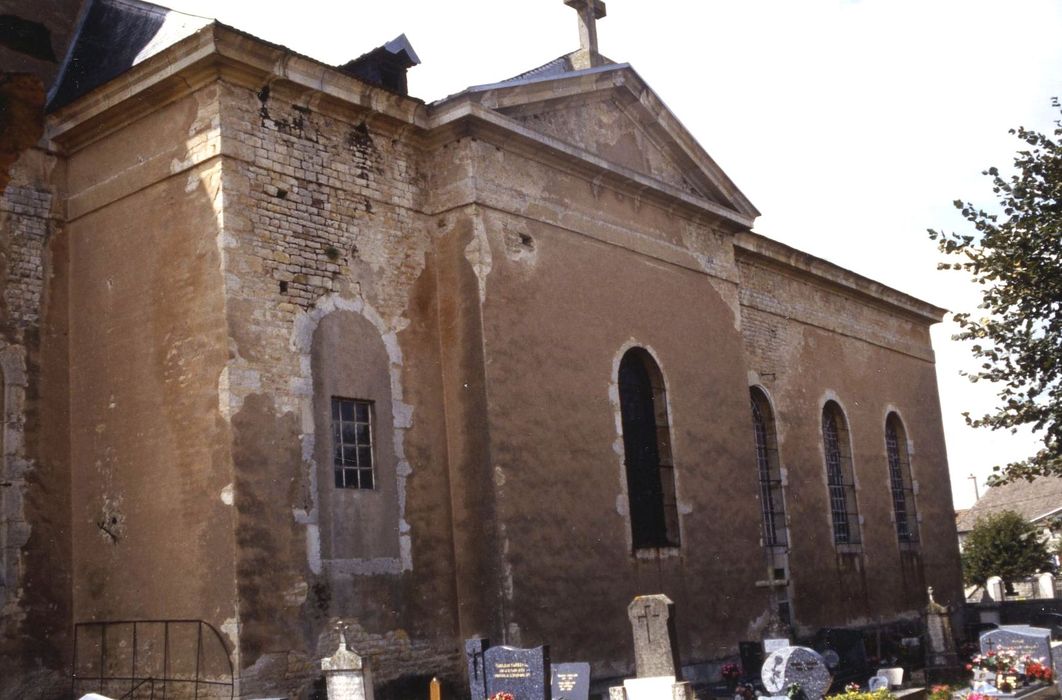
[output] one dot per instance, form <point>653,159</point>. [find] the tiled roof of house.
<point>1033,500</point>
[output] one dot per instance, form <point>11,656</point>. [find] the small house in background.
<point>1038,501</point>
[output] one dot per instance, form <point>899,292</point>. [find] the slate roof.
<point>112,37</point>
<point>115,35</point>
<point>1032,500</point>
<point>556,67</point>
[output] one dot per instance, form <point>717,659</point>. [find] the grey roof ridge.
<point>516,82</point>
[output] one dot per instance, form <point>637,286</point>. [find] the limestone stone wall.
<point>323,226</point>
<point>34,473</point>
<point>151,514</point>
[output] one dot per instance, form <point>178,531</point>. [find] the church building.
<point>287,352</point>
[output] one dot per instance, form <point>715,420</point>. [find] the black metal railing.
<point>136,659</point>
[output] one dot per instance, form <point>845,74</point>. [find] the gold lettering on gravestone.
<point>566,681</point>
<point>513,669</point>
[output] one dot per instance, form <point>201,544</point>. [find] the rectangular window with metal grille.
<point>352,443</point>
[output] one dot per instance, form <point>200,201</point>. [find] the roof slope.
<point>1032,500</point>
<point>114,36</point>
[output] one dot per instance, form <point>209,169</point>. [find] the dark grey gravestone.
<point>571,681</point>
<point>655,642</point>
<point>523,673</point>
<point>751,654</point>
<point>1021,639</point>
<point>477,680</point>
<point>799,665</point>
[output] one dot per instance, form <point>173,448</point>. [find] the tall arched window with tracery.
<point>769,470</point>
<point>900,482</point>
<point>840,475</point>
<point>647,452</point>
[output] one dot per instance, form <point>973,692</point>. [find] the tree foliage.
<point>1015,254</point>
<point>1004,545</point>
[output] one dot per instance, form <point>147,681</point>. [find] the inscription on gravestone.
<point>571,681</point>
<point>523,673</point>
<point>655,642</point>
<point>1034,641</point>
<point>799,665</point>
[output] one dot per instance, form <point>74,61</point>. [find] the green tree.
<point>1004,545</point>
<point>1015,254</point>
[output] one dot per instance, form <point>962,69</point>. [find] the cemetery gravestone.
<point>770,645</point>
<point>799,665</point>
<point>477,683</point>
<point>1045,585</point>
<point>347,675</point>
<point>751,654</point>
<point>1056,663</point>
<point>1022,639</point>
<point>655,642</point>
<point>941,652</point>
<point>523,673</point>
<point>571,681</point>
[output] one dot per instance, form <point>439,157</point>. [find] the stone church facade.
<point>288,351</point>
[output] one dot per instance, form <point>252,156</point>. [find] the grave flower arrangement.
<point>852,691</point>
<point>1009,669</point>
<point>730,672</point>
<point>502,696</point>
<point>942,691</point>
<point>1037,671</point>
<point>999,661</point>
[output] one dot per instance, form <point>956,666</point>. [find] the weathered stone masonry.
<point>231,234</point>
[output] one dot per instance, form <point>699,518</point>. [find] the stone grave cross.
<point>474,650</point>
<point>645,617</point>
<point>655,642</point>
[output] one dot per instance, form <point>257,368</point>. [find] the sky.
<point>852,125</point>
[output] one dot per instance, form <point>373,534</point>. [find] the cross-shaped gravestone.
<point>474,650</point>
<point>655,642</point>
<point>589,12</point>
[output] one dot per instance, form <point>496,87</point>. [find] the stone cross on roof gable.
<point>589,12</point>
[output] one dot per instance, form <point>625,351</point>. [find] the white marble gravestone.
<point>800,665</point>
<point>1045,585</point>
<point>348,676</point>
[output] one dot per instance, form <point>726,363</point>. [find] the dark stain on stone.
<point>271,560</point>
<point>358,138</point>
<point>263,97</point>
<point>21,118</point>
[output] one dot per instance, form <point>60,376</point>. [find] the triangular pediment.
<point>609,112</point>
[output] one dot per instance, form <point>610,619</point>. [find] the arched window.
<point>840,478</point>
<point>647,452</point>
<point>770,473</point>
<point>903,502</point>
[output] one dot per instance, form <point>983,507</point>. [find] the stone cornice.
<point>757,249</point>
<point>624,84</point>
<point>220,52</point>
<point>462,118</point>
